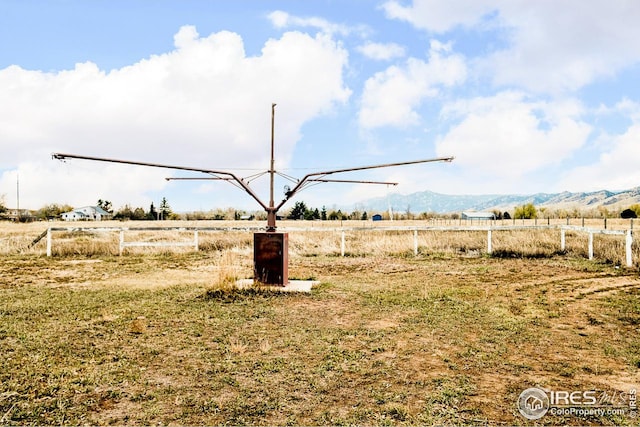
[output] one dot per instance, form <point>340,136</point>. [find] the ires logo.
<point>534,403</point>
<point>573,398</point>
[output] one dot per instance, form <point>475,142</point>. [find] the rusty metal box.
<point>271,258</point>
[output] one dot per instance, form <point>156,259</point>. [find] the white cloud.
<point>439,16</point>
<point>283,20</point>
<point>80,184</point>
<point>628,108</point>
<point>615,169</point>
<point>390,98</point>
<point>382,51</point>
<point>551,46</point>
<point>505,136</point>
<point>205,104</point>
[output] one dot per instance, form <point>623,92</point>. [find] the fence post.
<point>121,245</point>
<point>49,241</point>
<point>195,239</point>
<point>415,242</point>
<point>342,244</point>
<point>489,246</point>
<point>628,242</point>
<point>590,245</point>
<point>563,240</point>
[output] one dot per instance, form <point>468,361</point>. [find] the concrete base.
<point>292,286</point>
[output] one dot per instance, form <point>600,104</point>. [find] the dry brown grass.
<point>447,336</point>
<point>316,238</point>
<point>437,339</point>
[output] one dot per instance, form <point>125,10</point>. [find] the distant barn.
<point>478,215</point>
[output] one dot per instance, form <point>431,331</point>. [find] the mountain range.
<point>428,201</point>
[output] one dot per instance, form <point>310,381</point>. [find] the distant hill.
<point>428,201</point>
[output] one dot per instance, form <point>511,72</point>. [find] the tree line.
<point>300,211</point>
<point>529,211</point>
<point>139,214</point>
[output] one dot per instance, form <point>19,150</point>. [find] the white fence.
<point>123,243</point>
<point>411,230</point>
<point>563,229</point>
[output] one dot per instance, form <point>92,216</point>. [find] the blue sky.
<point>527,96</point>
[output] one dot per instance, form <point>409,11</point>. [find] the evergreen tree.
<point>153,214</point>
<point>298,212</point>
<point>105,205</point>
<point>165,209</point>
<point>311,215</point>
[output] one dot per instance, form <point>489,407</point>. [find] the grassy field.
<point>450,336</point>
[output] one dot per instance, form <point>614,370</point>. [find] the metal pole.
<point>272,171</point>
<point>271,211</point>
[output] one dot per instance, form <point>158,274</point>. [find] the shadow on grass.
<point>509,253</point>
<point>230,295</point>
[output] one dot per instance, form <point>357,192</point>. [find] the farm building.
<point>18,215</point>
<point>86,213</point>
<point>478,215</point>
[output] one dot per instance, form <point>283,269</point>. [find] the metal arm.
<point>352,181</point>
<point>310,177</point>
<point>213,178</point>
<point>243,183</point>
<point>229,176</point>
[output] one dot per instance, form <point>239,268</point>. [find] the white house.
<point>87,213</point>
